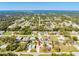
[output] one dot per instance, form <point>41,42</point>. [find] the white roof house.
<point>49,46</point>
<point>67,23</point>
<point>25,38</point>
<point>12,26</point>
<point>32,37</point>
<point>18,38</point>
<point>61,38</point>
<point>74,32</point>
<point>3,46</point>
<point>1,32</point>
<point>75,25</point>
<point>39,36</point>
<point>76,46</point>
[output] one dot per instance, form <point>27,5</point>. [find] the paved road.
<point>37,54</point>
<point>75,53</point>
<point>33,53</point>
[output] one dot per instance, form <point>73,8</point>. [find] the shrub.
<point>74,38</point>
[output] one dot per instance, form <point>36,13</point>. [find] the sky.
<point>39,5</point>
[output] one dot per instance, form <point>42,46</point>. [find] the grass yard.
<point>7,33</point>
<point>53,38</point>
<point>65,48</point>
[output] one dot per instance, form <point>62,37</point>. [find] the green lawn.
<point>66,49</point>
<point>7,33</point>
<point>53,38</point>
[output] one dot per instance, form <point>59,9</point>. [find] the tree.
<point>26,30</point>
<point>21,47</point>
<point>12,47</point>
<point>75,38</point>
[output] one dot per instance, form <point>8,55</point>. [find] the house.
<point>40,38</point>
<point>74,32</point>
<point>25,38</point>
<point>1,32</point>
<point>49,46</point>
<point>3,46</point>
<point>30,47</point>
<point>38,48</point>
<point>61,38</point>
<point>56,33</point>
<point>18,38</point>
<point>75,25</point>
<point>32,37</point>
<point>76,46</point>
<point>66,23</point>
